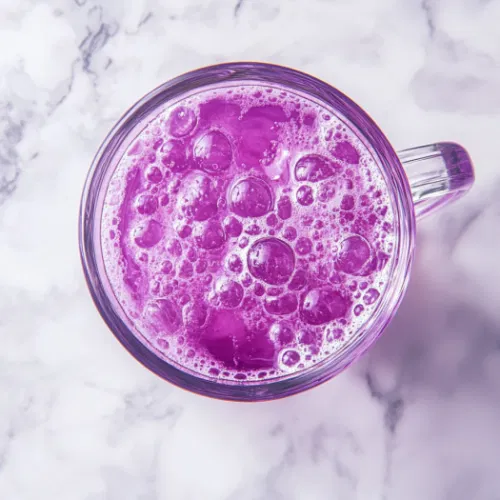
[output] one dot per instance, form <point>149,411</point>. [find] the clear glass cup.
<point>420,180</point>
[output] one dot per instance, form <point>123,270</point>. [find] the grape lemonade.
<point>247,233</point>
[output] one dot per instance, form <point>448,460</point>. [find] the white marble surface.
<point>417,418</point>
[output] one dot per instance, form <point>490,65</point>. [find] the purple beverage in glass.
<point>252,240</point>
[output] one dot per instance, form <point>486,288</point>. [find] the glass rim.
<point>367,131</point>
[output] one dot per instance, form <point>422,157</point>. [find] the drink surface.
<point>247,233</point>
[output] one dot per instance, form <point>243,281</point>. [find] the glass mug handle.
<point>438,174</point>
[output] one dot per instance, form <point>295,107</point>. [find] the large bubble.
<point>271,260</point>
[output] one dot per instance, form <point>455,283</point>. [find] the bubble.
<point>186,269</point>
<point>153,174</point>
<point>334,334</point>
<point>232,226</point>
<point>164,315</point>
<point>198,197</point>
<point>322,305</point>
<point>288,358</point>
<point>234,264</point>
<point>167,267</point>
<point>314,168</point>
<point>174,248</point>
<point>192,254</point>
<point>253,229</point>
<point>358,310</point>
<point>281,333</point>
<point>347,202</point>
<point>251,197</point>
<point>201,266</point>
<point>259,289</point>
<point>272,220</point>
<point>213,152</point>
<point>303,246</point>
<point>284,208</point>
<point>210,235</point>
<point>274,291</point>
<point>307,337</point>
<point>246,281</point>
<point>371,296</point>
<point>135,149</point>
<point>309,119</point>
<point>345,151</point>
<point>147,234</point>
<point>175,156</point>
<point>185,298</point>
<point>271,260</point>
<point>184,231</point>
<point>286,304</point>
<point>229,293</point>
<point>354,255</point>
<point>155,287</point>
<point>243,242</point>
<point>326,192</point>
<point>157,143</point>
<point>290,233</point>
<point>305,195</point>
<point>164,344</point>
<point>182,121</point>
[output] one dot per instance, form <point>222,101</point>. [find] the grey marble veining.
<point>80,419</point>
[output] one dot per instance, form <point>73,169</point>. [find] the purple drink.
<point>246,233</point>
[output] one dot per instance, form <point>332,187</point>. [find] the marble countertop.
<point>80,419</point>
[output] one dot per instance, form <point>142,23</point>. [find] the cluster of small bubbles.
<point>289,258</point>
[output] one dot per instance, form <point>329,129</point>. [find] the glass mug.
<point>307,327</point>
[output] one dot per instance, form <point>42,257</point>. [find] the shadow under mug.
<point>419,180</point>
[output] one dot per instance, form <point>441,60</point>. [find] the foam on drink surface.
<point>247,233</point>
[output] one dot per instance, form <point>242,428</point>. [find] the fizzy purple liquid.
<point>247,233</point>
